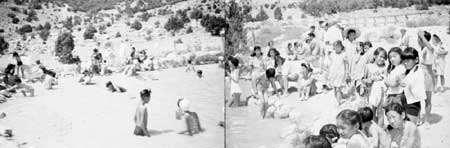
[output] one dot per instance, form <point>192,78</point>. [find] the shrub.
<point>68,23</point>
<point>25,11</point>
<point>25,29</point>
<point>148,38</point>
<point>63,48</point>
<point>102,29</point>
<point>2,30</point>
<point>44,34</point>
<point>136,25</point>
<point>182,14</point>
<point>277,14</point>
<point>262,15</point>
<point>217,11</point>
<point>174,23</point>
<point>108,24</point>
<point>213,24</point>
<point>11,15</point>
<point>118,35</point>
<point>421,7</point>
<point>32,16</point>
<point>15,9</point>
<point>267,6</point>
<point>39,27</point>
<point>145,16</point>
<point>196,14</point>
<point>157,24</point>
<point>272,6</point>
<point>36,6</point>
<point>47,26</point>
<point>18,2</point>
<point>3,45</point>
<point>189,30</point>
<point>89,32</point>
<point>178,41</point>
<point>15,20</point>
<point>303,16</point>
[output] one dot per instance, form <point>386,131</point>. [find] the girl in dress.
<point>290,52</point>
<point>427,58</point>
<point>270,60</point>
<point>235,89</point>
<point>348,124</point>
<point>441,54</point>
<point>395,70</point>
<point>404,134</point>
<point>338,70</point>
<point>305,82</point>
<point>256,67</point>
<point>374,80</point>
<point>263,83</point>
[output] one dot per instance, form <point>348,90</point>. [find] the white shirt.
<point>333,34</point>
<point>415,85</point>
<point>426,56</point>
<point>394,76</point>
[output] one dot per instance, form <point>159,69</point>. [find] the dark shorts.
<point>139,131</point>
<point>396,98</point>
<point>413,108</point>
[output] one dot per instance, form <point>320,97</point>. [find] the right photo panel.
<point>337,74</point>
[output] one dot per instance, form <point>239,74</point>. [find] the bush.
<point>189,30</point>
<point>148,38</point>
<point>178,41</point>
<point>18,2</point>
<point>262,15</point>
<point>174,23</point>
<point>157,23</point>
<point>421,7</point>
<point>44,34</point>
<point>25,29</point>
<point>47,26</point>
<point>36,6</point>
<point>11,15</point>
<point>102,29</point>
<point>15,20</point>
<point>213,24</point>
<point>89,32</point>
<point>3,45</point>
<point>108,24</point>
<point>272,6</point>
<point>196,14</point>
<point>145,16</point>
<point>303,16</point>
<point>15,9</point>
<point>182,14</point>
<point>39,27</point>
<point>2,30</point>
<point>217,11</point>
<point>136,25</point>
<point>118,35</point>
<point>63,48</point>
<point>68,23</point>
<point>32,16</point>
<point>277,14</point>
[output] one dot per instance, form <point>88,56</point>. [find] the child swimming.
<point>348,123</point>
<point>141,115</point>
<point>191,118</point>
<point>113,88</point>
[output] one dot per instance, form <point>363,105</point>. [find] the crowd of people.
<point>394,85</point>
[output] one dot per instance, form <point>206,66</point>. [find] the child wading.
<point>141,115</point>
<point>191,118</point>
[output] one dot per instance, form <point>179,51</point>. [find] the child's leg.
<point>442,80</point>
<point>427,106</point>
<point>307,92</point>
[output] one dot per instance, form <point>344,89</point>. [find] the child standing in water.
<point>262,84</point>
<point>348,123</point>
<point>235,89</point>
<point>404,134</point>
<point>191,118</point>
<point>375,82</point>
<point>339,71</point>
<point>141,115</point>
<point>441,54</point>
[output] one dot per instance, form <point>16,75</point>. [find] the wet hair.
<point>397,50</point>
<point>270,73</point>
<point>145,93</point>
<point>437,38</point>
<point>339,42</point>
<point>366,114</point>
<point>350,117</point>
<point>409,53</point>
<point>254,50</point>
<point>427,35</point>
<point>279,58</point>
<point>15,54</point>
<point>368,43</point>
<point>234,62</point>
<point>312,35</point>
<point>307,66</point>
<point>277,53</point>
<point>312,27</point>
<point>38,62</point>
<point>378,52</point>
<point>95,50</point>
<point>329,131</point>
<point>315,141</point>
<point>199,72</point>
<point>395,107</point>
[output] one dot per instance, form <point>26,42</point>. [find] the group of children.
<point>357,129</point>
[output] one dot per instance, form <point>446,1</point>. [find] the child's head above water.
<point>395,115</point>
<point>256,51</point>
<point>348,122</point>
<point>145,95</point>
<point>315,141</point>
<point>330,132</point>
<point>380,56</point>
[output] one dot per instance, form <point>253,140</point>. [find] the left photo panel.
<point>112,73</point>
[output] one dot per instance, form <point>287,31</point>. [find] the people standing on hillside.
<point>351,45</point>
<point>96,60</point>
<point>290,52</point>
<point>269,61</point>
<point>235,88</point>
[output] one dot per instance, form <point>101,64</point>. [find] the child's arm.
<point>442,52</point>
<point>427,44</point>
<point>144,123</point>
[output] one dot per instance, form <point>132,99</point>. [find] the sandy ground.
<point>76,116</point>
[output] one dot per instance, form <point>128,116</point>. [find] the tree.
<point>213,24</point>
<point>32,16</point>
<point>63,48</point>
<point>196,14</point>
<point>262,15</point>
<point>89,32</point>
<point>47,26</point>
<point>189,30</point>
<point>44,35</point>
<point>18,2</point>
<point>25,29</point>
<point>174,24</point>
<point>3,45</point>
<point>235,35</point>
<point>277,14</point>
<point>136,25</point>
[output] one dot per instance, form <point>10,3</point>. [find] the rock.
<point>283,112</point>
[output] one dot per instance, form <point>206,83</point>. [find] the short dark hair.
<point>350,117</point>
<point>329,131</point>
<point>366,114</point>
<point>145,93</point>
<point>315,141</point>
<point>311,35</point>
<point>95,50</point>
<point>351,31</point>
<point>427,35</point>
<point>395,107</point>
<point>235,62</point>
<point>38,62</point>
<point>409,53</point>
<point>15,54</point>
<point>199,72</point>
<point>108,84</point>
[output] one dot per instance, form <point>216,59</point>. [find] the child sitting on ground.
<point>378,137</point>
<point>141,115</point>
<point>305,82</point>
<point>86,78</point>
<point>114,88</point>
<point>191,118</point>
